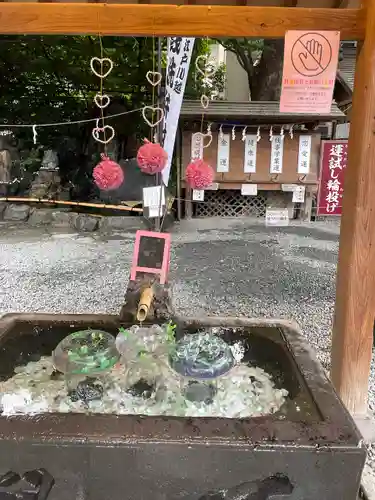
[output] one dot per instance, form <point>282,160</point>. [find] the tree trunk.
<point>265,85</point>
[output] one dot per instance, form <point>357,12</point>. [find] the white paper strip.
<point>155,212</point>
<point>249,189</point>
<point>214,187</point>
<point>277,152</point>
<point>151,196</point>
<point>304,154</point>
<point>196,146</point>
<point>288,188</point>
<point>250,158</point>
<point>299,194</point>
<point>223,152</point>
<point>179,52</point>
<point>277,217</point>
<point>198,194</point>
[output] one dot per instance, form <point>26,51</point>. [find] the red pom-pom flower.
<point>199,174</point>
<point>151,158</point>
<point>108,174</point>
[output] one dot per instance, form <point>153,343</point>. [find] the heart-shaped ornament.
<point>97,62</point>
<point>154,110</point>
<point>153,78</point>
<point>98,131</point>
<point>205,101</point>
<point>102,100</point>
<point>205,65</point>
<point>206,139</point>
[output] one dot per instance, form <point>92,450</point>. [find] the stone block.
<point>17,212</point>
<point>86,223</point>
<point>39,217</point>
<point>62,218</point>
<point>121,223</point>
<point>3,206</point>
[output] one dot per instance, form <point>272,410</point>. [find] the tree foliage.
<point>263,62</point>
<point>47,79</point>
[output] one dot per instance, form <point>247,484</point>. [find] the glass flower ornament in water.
<point>200,359</point>
<point>86,352</point>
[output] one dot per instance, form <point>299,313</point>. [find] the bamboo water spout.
<point>144,304</point>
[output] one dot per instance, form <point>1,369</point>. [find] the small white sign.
<point>196,146</point>
<point>198,194</point>
<point>304,153</point>
<point>288,188</point>
<point>277,153</point>
<point>249,189</point>
<point>152,195</point>
<point>223,152</point>
<point>299,194</point>
<point>250,158</point>
<point>155,212</point>
<point>277,217</point>
<point>214,187</point>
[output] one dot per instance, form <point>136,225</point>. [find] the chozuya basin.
<point>309,450</point>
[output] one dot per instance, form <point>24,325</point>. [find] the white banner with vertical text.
<point>178,62</point>
<point>304,153</point>
<point>223,152</point>
<point>277,153</point>
<point>250,160</point>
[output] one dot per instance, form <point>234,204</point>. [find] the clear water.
<point>146,381</point>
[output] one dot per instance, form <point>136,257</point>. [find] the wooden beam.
<point>169,20</point>
<point>355,288</point>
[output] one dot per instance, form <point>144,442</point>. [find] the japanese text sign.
<point>223,153</point>
<point>196,146</point>
<point>277,154</point>
<point>309,72</point>
<point>304,153</point>
<point>178,63</point>
<point>250,159</point>
<point>333,161</point>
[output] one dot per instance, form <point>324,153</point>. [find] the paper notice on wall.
<point>196,146</point>
<point>277,217</point>
<point>299,194</point>
<point>223,152</point>
<point>277,153</point>
<point>249,189</point>
<point>179,51</point>
<point>250,158</point>
<point>198,194</point>
<point>304,154</point>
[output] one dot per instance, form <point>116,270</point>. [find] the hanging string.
<point>101,94</point>
<point>62,124</point>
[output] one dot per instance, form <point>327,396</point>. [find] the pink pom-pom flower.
<point>108,174</point>
<point>151,158</point>
<point>199,174</point>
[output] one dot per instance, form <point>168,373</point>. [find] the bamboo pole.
<point>145,304</point>
<point>71,203</point>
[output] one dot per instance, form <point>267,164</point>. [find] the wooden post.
<point>306,207</point>
<point>355,288</point>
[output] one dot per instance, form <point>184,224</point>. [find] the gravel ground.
<point>228,267</point>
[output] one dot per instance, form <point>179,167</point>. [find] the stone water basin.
<point>306,448</point>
